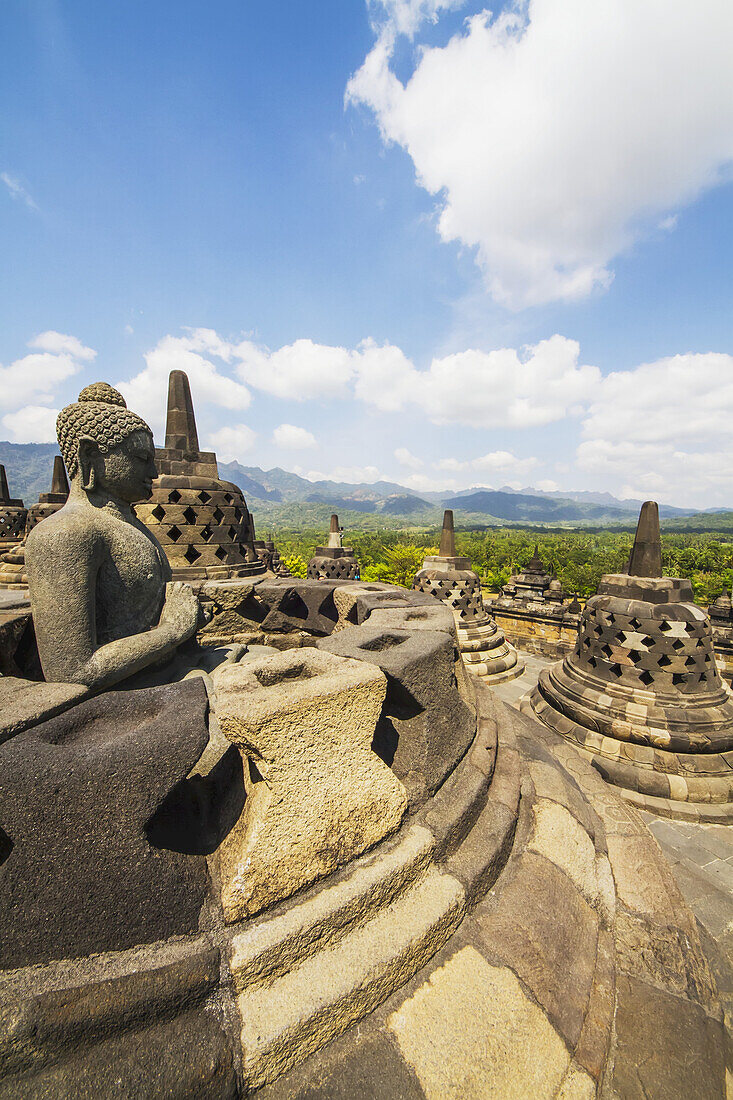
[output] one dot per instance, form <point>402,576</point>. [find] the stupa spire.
<point>4,490</point>
<point>447,536</point>
<point>59,481</point>
<point>334,535</point>
<point>180,428</point>
<point>646,555</point>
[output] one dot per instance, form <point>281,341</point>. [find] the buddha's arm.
<point>63,591</point>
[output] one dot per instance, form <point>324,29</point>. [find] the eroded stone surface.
<point>317,795</point>
<point>470,1032</point>
<point>78,873</point>
<point>425,726</point>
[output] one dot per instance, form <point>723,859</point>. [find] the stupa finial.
<point>447,536</point>
<point>59,481</point>
<point>646,555</point>
<point>4,490</point>
<point>334,535</point>
<point>180,428</point>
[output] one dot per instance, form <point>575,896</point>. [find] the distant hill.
<point>271,492</point>
<point>405,505</point>
<point>526,508</point>
<point>29,467</point>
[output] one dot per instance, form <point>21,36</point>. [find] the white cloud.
<point>425,483</point>
<point>59,343</point>
<point>557,134</point>
<point>385,377</point>
<point>663,429</point>
<point>506,387</point>
<point>405,17</point>
<point>509,388</point>
<point>17,190</point>
<point>193,353</point>
<point>292,438</point>
<point>231,443</point>
<point>498,464</point>
<point>406,458</point>
<point>546,485</point>
<point>296,372</point>
<point>34,378</point>
<point>31,424</point>
<point>353,474</point>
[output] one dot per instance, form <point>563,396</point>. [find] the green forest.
<point>578,557</point>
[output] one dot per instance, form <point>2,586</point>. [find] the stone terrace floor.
<point>701,857</point>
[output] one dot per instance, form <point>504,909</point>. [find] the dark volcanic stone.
<point>188,1056</point>
<point>554,957</point>
<point>666,1046</point>
<point>79,874</point>
<point>425,727</point>
<point>355,1067</point>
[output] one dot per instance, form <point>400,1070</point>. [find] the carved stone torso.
<point>131,578</point>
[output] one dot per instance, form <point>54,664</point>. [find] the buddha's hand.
<point>181,611</point>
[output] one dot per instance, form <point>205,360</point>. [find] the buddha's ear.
<point>87,456</point>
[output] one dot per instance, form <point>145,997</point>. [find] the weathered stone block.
<point>78,873</point>
<point>425,727</point>
<point>317,794</point>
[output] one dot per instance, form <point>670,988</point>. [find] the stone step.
<point>297,1013</point>
<point>271,947</point>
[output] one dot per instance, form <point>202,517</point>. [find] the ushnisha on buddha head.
<point>107,448</point>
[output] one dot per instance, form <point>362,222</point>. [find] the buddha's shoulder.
<point>74,524</point>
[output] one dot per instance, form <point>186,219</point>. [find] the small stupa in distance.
<point>334,561</point>
<point>450,578</point>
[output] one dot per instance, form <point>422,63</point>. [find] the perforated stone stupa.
<point>12,563</point>
<point>13,515</point>
<point>48,503</point>
<point>641,694</point>
<point>450,579</point>
<point>536,584</point>
<point>202,523</point>
<point>333,562</point>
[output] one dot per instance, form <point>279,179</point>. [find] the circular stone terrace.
<point>196,914</point>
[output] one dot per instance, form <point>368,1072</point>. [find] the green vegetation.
<point>579,557</point>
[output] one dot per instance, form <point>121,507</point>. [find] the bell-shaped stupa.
<point>202,523</point>
<point>484,649</point>
<point>48,503</point>
<point>334,561</point>
<point>13,514</point>
<point>641,694</point>
<point>12,562</point>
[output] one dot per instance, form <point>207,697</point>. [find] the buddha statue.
<point>103,603</point>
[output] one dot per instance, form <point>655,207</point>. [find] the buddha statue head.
<point>107,448</point>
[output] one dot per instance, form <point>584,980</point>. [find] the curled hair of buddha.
<point>101,414</point>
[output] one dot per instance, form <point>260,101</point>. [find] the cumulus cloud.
<point>396,17</point>
<point>35,377</point>
<point>558,133</point>
<point>506,387</point>
<point>406,458</point>
<point>196,354</point>
<point>663,429</point>
<point>292,438</point>
<point>17,190</point>
<point>232,442</point>
<point>353,474</point>
<point>296,372</point>
<point>496,464</point>
<point>31,424</point>
<point>59,343</point>
<point>509,388</point>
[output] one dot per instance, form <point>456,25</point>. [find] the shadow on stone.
<point>201,810</point>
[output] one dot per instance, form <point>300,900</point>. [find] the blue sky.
<point>402,239</point>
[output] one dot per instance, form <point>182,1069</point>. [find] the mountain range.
<point>29,466</point>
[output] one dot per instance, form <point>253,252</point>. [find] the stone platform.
<point>518,934</point>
